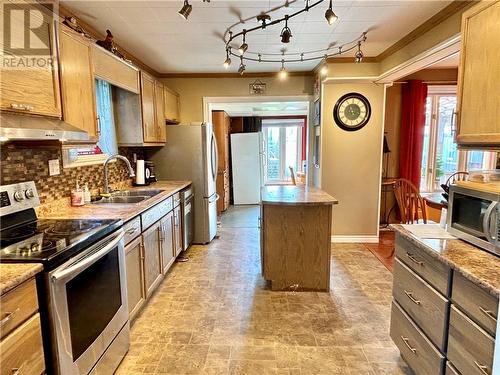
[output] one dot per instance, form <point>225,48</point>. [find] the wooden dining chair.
<point>457,176</point>
<point>410,202</point>
<point>292,175</point>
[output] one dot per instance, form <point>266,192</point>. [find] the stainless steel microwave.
<point>474,216</point>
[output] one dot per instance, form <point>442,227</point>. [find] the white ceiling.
<point>263,108</point>
<point>154,33</point>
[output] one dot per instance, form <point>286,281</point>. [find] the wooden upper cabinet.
<point>160,110</point>
<point>77,81</point>
<point>114,70</point>
<point>149,126</point>
<point>33,90</point>
<point>478,110</point>
<point>222,124</point>
<point>171,106</point>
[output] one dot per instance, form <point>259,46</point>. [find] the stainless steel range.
<point>82,290</point>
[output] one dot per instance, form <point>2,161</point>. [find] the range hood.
<point>26,127</point>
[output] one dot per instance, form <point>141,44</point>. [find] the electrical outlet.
<point>54,168</point>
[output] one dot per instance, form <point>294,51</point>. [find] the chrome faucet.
<point>111,157</point>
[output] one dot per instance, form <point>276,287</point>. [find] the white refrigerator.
<point>247,158</point>
<point>190,153</point>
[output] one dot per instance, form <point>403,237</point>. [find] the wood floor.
<point>384,249</point>
<point>215,315</point>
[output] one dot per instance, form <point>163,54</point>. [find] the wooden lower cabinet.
<point>167,241</point>
<point>177,231</point>
<point>152,258</point>
<point>134,255</point>
<point>22,350</point>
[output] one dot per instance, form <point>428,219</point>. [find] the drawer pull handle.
<point>488,313</point>
<point>407,343</point>
<point>132,230</point>
<point>414,260</point>
<point>410,296</point>
<point>482,368</point>
<point>8,316</point>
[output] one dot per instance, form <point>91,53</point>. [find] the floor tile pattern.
<point>214,315</point>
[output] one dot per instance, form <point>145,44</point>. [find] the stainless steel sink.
<point>121,200</point>
<point>137,193</point>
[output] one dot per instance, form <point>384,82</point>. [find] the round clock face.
<point>352,111</point>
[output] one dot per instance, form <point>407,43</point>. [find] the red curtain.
<point>414,94</point>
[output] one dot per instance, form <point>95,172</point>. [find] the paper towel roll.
<point>139,174</point>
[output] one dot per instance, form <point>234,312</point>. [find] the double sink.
<point>128,196</point>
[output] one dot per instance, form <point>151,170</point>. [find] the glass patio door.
<point>282,150</point>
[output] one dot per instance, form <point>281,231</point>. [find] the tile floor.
<point>214,315</point>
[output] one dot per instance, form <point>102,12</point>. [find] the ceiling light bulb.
<point>185,10</point>
<point>330,15</point>
<point>324,70</point>
<point>283,73</point>
<point>227,63</point>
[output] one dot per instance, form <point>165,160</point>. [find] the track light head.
<point>324,70</point>
<point>185,10</point>
<point>286,34</point>
<point>358,56</point>
<point>283,74</point>
<point>244,46</point>
<point>242,67</point>
<point>227,63</point>
<point>330,15</point>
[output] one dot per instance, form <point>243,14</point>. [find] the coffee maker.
<point>145,173</point>
<point>149,172</point>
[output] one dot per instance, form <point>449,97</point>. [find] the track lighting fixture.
<point>330,15</point>
<point>242,67</point>
<point>286,33</point>
<point>244,46</point>
<point>283,73</point>
<point>358,57</point>
<point>185,10</point>
<point>324,70</point>
<point>227,63</point>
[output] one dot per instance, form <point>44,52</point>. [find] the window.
<point>107,143</point>
<point>283,143</point>
<point>441,157</point>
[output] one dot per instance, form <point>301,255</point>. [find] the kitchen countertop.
<point>479,266</point>
<point>118,211</point>
<point>295,195</point>
<point>13,274</point>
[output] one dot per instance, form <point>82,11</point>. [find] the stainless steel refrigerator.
<point>191,154</point>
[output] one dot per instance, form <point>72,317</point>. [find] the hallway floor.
<point>214,315</point>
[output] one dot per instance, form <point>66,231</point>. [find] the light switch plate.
<point>54,168</point>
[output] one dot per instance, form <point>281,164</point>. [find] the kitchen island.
<point>295,237</point>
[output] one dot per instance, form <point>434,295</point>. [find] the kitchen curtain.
<point>414,95</point>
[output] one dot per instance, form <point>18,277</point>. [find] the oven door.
<point>88,304</point>
<point>473,216</point>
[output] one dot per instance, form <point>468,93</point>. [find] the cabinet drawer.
<point>470,348</point>
<point>17,306</point>
<point>429,268</point>
<point>479,305</point>
<point>155,213</point>
<point>132,229</point>
<point>427,308</point>
<point>451,370</point>
<point>417,350</point>
<point>22,351</point>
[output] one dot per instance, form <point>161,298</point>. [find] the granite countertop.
<point>479,266</point>
<point>295,195</point>
<point>13,274</point>
<point>117,211</point>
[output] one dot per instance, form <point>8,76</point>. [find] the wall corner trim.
<point>354,239</point>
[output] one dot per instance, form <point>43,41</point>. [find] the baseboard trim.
<point>354,239</point>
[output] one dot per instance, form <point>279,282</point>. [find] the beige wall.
<point>192,90</point>
<point>351,162</point>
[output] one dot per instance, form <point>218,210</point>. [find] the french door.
<point>283,149</point>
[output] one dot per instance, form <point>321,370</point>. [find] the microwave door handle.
<point>487,221</point>
<point>84,262</point>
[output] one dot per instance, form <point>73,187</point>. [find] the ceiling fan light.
<point>185,10</point>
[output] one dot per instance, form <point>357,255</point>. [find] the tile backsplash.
<point>19,163</point>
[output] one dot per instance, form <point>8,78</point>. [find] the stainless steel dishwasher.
<point>187,213</point>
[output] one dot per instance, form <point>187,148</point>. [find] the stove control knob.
<point>29,193</point>
<point>19,196</point>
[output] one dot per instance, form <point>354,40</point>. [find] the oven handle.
<point>487,222</point>
<point>85,261</point>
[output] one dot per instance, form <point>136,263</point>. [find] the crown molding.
<point>350,60</point>
<point>234,75</point>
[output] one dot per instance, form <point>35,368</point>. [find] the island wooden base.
<point>295,246</point>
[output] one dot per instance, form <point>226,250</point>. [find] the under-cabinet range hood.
<point>28,127</point>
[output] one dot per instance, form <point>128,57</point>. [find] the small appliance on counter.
<point>145,174</point>
<point>82,289</point>
<point>474,214</point>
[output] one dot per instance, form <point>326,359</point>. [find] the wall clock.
<point>352,111</point>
